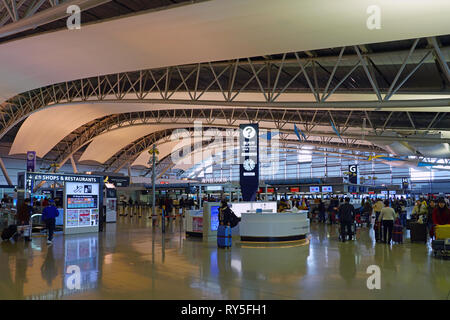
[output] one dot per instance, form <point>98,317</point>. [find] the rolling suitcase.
<point>418,232</point>
<point>408,223</point>
<point>397,232</point>
<point>224,236</point>
<point>377,228</point>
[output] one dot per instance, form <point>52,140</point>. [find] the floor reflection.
<point>134,260</point>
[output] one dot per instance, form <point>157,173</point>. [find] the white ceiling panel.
<point>209,31</point>
<point>106,145</point>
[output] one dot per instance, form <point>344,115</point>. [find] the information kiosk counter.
<point>274,227</point>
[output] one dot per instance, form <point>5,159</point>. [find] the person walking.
<point>377,208</point>
<point>24,215</point>
<point>387,217</point>
<point>346,218</point>
<point>403,214</point>
<point>49,215</point>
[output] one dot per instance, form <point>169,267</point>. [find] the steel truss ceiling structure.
<point>360,87</point>
<point>20,18</point>
<point>310,120</point>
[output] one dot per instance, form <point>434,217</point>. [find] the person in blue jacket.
<point>49,215</point>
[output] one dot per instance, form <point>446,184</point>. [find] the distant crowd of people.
<point>431,212</point>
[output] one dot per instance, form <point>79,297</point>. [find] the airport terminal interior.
<point>224,150</point>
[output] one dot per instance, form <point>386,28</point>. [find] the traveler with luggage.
<point>23,217</point>
<point>346,214</point>
<point>419,209</point>
<point>49,215</point>
<point>441,214</point>
<point>387,217</point>
<point>227,220</point>
<point>403,214</point>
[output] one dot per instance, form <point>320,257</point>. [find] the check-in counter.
<point>274,227</point>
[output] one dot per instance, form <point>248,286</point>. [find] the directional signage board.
<point>249,160</point>
<point>353,174</point>
<point>31,161</point>
<point>405,183</point>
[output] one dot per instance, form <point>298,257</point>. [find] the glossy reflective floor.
<point>132,260</point>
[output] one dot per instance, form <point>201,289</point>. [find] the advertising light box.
<point>81,206</point>
<point>214,218</point>
<point>327,189</point>
<point>295,189</point>
<point>314,189</point>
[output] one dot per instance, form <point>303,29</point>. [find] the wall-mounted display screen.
<point>327,189</point>
<point>295,189</point>
<point>81,202</point>
<point>314,189</point>
<point>214,218</point>
<point>270,190</point>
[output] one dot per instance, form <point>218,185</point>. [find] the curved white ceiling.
<point>164,149</point>
<point>106,145</point>
<point>209,31</point>
<point>65,118</point>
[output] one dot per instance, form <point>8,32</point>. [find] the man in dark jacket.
<point>346,217</point>
<point>49,215</point>
<point>24,214</point>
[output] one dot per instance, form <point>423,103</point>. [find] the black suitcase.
<point>378,230</point>
<point>9,232</point>
<point>408,223</point>
<point>418,232</point>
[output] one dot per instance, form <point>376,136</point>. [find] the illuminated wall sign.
<point>314,189</point>
<point>272,190</point>
<point>327,189</point>
<point>295,189</point>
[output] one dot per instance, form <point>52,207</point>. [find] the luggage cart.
<point>441,248</point>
